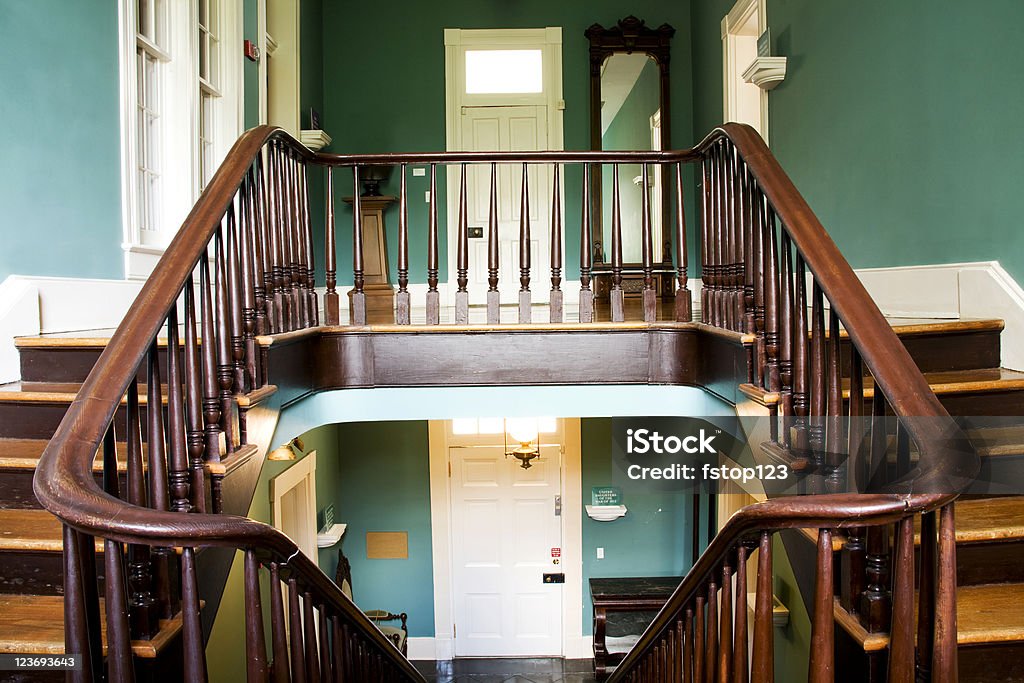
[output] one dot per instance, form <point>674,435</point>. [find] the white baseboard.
<point>426,648</point>
<point>953,290</point>
<point>579,647</point>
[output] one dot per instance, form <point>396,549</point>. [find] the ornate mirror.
<point>629,110</point>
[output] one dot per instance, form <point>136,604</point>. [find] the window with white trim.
<point>181,94</point>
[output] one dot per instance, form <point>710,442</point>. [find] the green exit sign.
<point>605,495</point>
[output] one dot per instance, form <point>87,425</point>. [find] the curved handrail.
<point>64,482</point>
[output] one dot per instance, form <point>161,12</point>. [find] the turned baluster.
<point>759,256</point>
<point>876,601</point>
<point>257,228</point>
<point>901,633</point>
<point>747,216</point>
<point>338,652</point>
<point>801,395</point>
<point>279,230</point>
<point>698,642</point>
<point>684,304</point>
<point>670,661</point>
<point>739,649</point>
<point>616,295</point>
<point>309,262</point>
<point>725,639</point>
<point>835,438</point>
<point>926,597</point>
<point>268,226</point>
<point>739,244</point>
<point>158,482</point>
<point>433,297</point>
<point>650,304</point>
<point>309,636</point>
<point>818,401</point>
<point>326,661</point>
<point>857,470</point>
<point>179,471</point>
<point>255,637</point>
<point>493,295</point>
<point>402,301</point>
<point>944,640</point>
<point>733,276</point>
<point>77,626</point>
<point>711,637</point>
<point>705,242</point>
<point>555,297</point>
<point>247,241</point>
<point>211,396</point>
<point>902,449</point>
<point>295,256</point>
<point>225,353</point>
<point>298,655</point>
<point>822,657</point>
<point>786,316</point>
<point>714,230</point>
<point>194,402</point>
<point>143,612</point>
<point>462,255</point>
<point>357,297</point>
<point>120,665</point>
<point>586,254</point>
<point>278,632</point>
<point>721,240</point>
<point>332,303</point>
<point>524,249</point>
<point>191,625</point>
<point>762,668</point>
<point>235,304</point>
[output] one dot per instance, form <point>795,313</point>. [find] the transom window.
<point>504,71</point>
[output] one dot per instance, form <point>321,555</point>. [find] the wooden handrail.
<point>737,274</point>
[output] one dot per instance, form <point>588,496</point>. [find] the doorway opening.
<point>744,101</point>
<point>503,92</point>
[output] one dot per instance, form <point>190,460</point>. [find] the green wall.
<point>384,67</point>
<point>60,167</point>
<point>898,121</point>
<point>651,540</point>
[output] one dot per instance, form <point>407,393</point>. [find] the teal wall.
<point>651,540</point>
<point>226,645</point>
<point>383,484</point>
<point>383,99</point>
<point>898,121</point>
<point>60,166</point>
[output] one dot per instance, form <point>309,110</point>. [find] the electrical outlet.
<point>426,196</point>
<point>419,171</point>
<point>600,553</point>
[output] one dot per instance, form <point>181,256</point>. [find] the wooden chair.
<point>398,635</point>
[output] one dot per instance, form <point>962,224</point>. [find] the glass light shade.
<point>522,429</point>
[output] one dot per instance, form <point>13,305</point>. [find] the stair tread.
<point>36,530</point>
<point>34,624</point>
<point>25,453</point>
<point>959,381</point>
<point>56,392</point>
<point>989,519</point>
<point>986,614</point>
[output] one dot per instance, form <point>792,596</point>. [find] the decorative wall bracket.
<point>314,139</point>
<point>606,513</point>
<point>766,72</point>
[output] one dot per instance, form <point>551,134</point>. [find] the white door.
<point>505,536</point>
<point>518,129</point>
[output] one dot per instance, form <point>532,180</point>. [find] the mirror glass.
<point>631,120</point>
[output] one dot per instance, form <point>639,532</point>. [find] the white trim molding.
<point>734,29</point>
<point>981,289</point>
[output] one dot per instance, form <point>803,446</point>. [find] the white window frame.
<point>179,149</point>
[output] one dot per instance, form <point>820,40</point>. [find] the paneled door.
<point>506,535</point>
<point>517,129</point>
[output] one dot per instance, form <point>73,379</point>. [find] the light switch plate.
<point>419,171</point>
<point>600,553</point>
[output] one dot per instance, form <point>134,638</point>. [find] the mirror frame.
<point>629,35</point>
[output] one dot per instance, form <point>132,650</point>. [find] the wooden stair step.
<point>24,454</point>
<point>55,392</point>
<point>34,624</point>
<point>959,381</point>
<point>32,530</point>
<point>987,614</point>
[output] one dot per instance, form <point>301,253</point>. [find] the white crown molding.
<point>766,72</point>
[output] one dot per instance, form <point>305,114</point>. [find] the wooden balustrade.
<point>770,276</point>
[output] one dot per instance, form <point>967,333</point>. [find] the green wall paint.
<point>897,122</point>
<point>60,168</point>
<point>651,540</point>
<point>226,646</point>
<point>384,71</point>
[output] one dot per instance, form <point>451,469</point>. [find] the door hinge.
<point>449,470</point>
<point>454,632</point>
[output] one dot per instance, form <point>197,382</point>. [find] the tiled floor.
<point>541,670</point>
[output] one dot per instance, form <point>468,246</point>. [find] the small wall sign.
<point>764,44</point>
<point>606,495</point>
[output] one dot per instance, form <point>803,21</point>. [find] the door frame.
<point>302,472</point>
<point>456,41</point>
<point>574,644</point>
<point>732,25</point>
